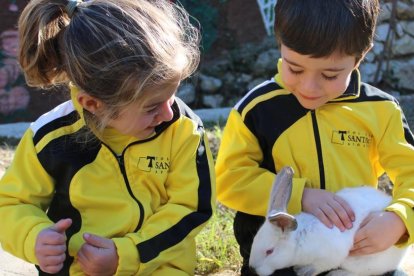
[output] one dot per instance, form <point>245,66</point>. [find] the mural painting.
<point>18,102</point>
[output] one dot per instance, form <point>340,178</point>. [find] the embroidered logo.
<point>154,164</point>
<point>351,138</point>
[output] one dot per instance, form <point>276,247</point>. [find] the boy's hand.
<point>98,256</point>
<point>328,208</point>
<point>378,231</point>
<point>50,246</point>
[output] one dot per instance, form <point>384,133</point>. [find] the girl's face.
<point>140,120</point>
<point>315,81</point>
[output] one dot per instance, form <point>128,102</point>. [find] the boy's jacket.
<point>151,198</point>
<point>347,142</point>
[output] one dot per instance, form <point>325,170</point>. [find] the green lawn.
<point>217,249</point>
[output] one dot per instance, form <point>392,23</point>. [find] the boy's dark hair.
<point>320,27</point>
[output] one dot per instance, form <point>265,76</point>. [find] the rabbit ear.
<point>279,198</point>
<point>283,220</point>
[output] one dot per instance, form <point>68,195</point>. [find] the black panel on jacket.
<point>62,158</point>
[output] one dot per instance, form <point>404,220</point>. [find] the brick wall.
<point>18,102</point>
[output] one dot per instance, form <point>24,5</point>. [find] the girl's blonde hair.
<point>114,50</point>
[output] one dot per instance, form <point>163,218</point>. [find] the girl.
<point>119,180</point>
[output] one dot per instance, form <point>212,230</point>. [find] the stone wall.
<point>391,61</point>
<point>236,67</point>
<point>241,57</point>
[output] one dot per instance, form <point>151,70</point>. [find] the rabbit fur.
<point>314,248</point>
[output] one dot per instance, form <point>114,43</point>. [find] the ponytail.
<point>41,25</point>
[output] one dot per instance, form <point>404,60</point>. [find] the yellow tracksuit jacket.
<point>349,141</point>
<point>151,199</point>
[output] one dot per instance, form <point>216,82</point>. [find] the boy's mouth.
<point>310,98</point>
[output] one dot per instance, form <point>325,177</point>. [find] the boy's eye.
<point>329,78</point>
<point>295,72</point>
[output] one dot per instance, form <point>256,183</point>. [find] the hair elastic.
<point>71,6</point>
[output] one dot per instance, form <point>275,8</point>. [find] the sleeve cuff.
<point>406,213</point>
<point>128,262</point>
<point>30,242</point>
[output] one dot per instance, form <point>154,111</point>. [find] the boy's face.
<point>315,81</point>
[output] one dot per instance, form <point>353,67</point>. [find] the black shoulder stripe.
<point>66,120</point>
<point>371,93</point>
<point>150,249</point>
<point>269,119</point>
<point>261,90</point>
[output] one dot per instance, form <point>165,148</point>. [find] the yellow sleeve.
<point>396,151</point>
<point>25,193</point>
<point>242,184</point>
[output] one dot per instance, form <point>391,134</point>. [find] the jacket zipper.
<point>318,149</point>
<point>124,174</point>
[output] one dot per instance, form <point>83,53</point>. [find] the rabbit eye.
<point>269,251</point>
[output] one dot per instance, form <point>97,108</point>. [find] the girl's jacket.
<point>151,199</point>
<point>349,141</point>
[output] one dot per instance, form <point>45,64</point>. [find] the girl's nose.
<point>166,113</point>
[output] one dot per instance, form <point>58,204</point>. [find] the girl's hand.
<point>98,256</point>
<point>378,231</point>
<point>328,208</point>
<point>50,247</point>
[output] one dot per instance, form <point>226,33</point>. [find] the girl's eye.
<point>295,72</point>
<point>329,78</point>
<point>152,110</point>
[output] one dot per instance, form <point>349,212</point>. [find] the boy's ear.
<point>358,62</point>
<point>88,102</point>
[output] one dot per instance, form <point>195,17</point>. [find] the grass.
<point>217,249</point>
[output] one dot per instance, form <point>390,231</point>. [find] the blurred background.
<point>238,52</point>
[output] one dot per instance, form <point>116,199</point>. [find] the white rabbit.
<point>307,244</point>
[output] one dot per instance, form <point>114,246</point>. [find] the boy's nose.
<point>309,87</point>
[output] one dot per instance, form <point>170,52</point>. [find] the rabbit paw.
<point>305,270</point>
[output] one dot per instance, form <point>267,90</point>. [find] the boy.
<point>318,117</point>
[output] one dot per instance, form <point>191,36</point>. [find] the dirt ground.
<point>12,266</point>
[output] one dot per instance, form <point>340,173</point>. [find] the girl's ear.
<point>88,102</point>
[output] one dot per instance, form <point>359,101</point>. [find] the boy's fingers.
<point>62,225</point>
<point>333,217</point>
<point>341,215</point>
<point>323,218</point>
<point>346,207</point>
